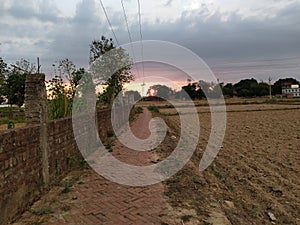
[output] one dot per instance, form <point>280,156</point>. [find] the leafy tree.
<point>228,90</point>
<point>193,90</point>
<point>277,87</point>
<point>15,88</point>
<point>245,88</point>
<point>14,83</point>
<point>24,66</point>
<point>106,58</point>
<point>262,89</point>
<point>75,79</point>
<point>3,71</point>
<point>163,91</point>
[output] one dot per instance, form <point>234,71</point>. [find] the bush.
<point>153,108</point>
<point>139,109</point>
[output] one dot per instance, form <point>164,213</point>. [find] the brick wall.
<point>21,170</point>
<point>21,179</point>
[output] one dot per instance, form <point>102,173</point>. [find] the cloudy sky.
<point>236,38</point>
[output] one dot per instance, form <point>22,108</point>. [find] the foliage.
<point>228,90</point>
<point>12,81</point>
<point>201,89</point>
<point>111,67</point>
<point>3,71</point>
<point>153,108</point>
<point>163,91</point>
<point>14,89</point>
<point>59,103</point>
<point>277,87</point>
<point>61,93</point>
<point>139,110</point>
<point>67,69</point>
<point>251,88</point>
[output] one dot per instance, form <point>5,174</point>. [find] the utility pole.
<point>38,65</point>
<point>143,88</point>
<point>270,87</point>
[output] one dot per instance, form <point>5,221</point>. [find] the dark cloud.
<point>44,10</point>
<point>228,45</point>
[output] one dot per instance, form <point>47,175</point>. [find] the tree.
<point>277,87</point>
<point>66,68</point>
<point>14,84</point>
<point>15,88</point>
<point>245,88</point>
<point>163,91</point>
<point>228,90</point>
<point>110,66</point>
<point>3,71</point>
<point>193,90</point>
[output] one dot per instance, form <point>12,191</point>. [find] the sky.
<point>237,39</point>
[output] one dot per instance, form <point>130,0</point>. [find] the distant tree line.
<point>244,88</point>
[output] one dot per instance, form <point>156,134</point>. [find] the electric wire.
<point>109,23</point>
<point>141,36</point>
<point>129,34</point>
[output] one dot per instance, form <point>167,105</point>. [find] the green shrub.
<point>139,109</point>
<point>153,108</point>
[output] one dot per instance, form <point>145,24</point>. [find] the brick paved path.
<point>94,200</point>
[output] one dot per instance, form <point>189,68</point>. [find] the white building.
<point>292,90</point>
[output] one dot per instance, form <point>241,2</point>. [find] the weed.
<point>153,108</point>
<point>109,145</point>
<point>167,193</point>
<point>110,133</point>
<point>66,208</point>
<point>196,180</point>
<point>38,223</point>
<point>139,110</point>
<point>206,223</point>
<point>254,211</point>
<point>216,173</point>
<point>66,190</point>
<point>42,211</point>
<point>230,186</point>
<point>82,164</point>
<point>71,159</point>
<point>186,218</point>
<point>10,125</point>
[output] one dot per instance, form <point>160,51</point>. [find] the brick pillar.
<point>36,112</point>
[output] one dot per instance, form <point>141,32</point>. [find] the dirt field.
<point>255,178</point>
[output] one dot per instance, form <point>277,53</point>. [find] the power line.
<point>141,35</point>
<point>109,23</point>
<point>129,34</point>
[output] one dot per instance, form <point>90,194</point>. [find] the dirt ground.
<point>255,178</point>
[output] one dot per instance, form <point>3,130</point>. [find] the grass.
<point>254,211</point>
<point>139,110</point>
<point>66,208</point>
<point>110,133</point>
<point>38,223</point>
<point>6,120</point>
<point>196,180</point>
<point>153,108</point>
<point>216,173</point>
<point>186,218</point>
<point>66,189</point>
<point>42,211</point>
